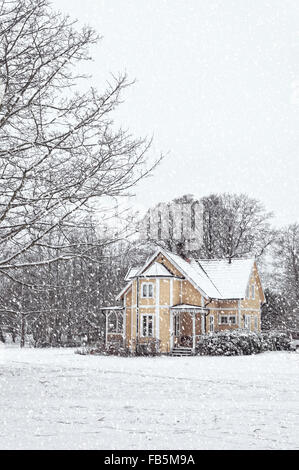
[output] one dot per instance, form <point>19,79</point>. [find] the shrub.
<point>241,342</point>
<point>276,341</point>
<point>100,349</point>
<point>150,348</point>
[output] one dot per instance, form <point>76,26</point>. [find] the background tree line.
<point>58,303</point>
<point>63,164</point>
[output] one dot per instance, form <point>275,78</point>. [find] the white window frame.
<point>247,322</point>
<point>147,284</point>
<point>253,291</point>
<point>221,321</point>
<point>256,323</point>
<point>211,323</point>
<point>147,316</point>
<point>228,317</point>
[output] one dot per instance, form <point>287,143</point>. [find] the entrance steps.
<point>181,351</point>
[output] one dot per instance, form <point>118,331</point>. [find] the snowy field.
<point>55,399</point>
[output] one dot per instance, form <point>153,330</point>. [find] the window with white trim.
<point>147,326</point>
<point>247,322</point>
<point>147,290</point>
<point>211,323</point>
<point>224,320</point>
<point>253,291</point>
<point>228,320</point>
<point>255,323</point>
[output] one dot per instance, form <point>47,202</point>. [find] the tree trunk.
<point>2,339</point>
<point>23,331</point>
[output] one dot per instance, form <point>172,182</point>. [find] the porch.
<point>187,324</point>
<point>114,326</point>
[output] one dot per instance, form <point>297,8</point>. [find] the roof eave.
<point>123,291</point>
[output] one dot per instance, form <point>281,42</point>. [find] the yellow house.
<point>171,301</point>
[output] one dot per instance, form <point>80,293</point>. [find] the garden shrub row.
<point>240,342</point>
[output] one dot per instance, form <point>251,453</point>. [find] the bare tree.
<point>286,261</point>
<point>282,307</point>
<point>60,153</point>
<point>235,226</point>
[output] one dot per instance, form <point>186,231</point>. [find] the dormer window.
<point>252,291</point>
<point>147,290</point>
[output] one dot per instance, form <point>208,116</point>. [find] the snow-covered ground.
<point>55,399</point>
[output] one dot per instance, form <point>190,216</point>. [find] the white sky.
<point>217,83</point>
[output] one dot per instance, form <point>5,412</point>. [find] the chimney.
<point>181,251</point>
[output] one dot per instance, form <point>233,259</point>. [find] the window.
<point>255,323</point>
<point>211,324</point>
<point>177,325</point>
<point>228,320</point>
<point>253,292</point>
<point>247,322</point>
<point>147,290</point>
<point>147,325</point>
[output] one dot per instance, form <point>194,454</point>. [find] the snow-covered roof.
<point>132,273</point>
<point>214,278</point>
<point>115,307</point>
<point>231,278</point>
<point>217,278</point>
<point>194,274</point>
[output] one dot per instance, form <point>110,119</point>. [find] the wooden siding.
<point>174,291</point>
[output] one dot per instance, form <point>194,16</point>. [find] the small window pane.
<point>144,290</point>
<point>144,326</point>
<point>211,324</point>
<point>150,326</point>
<point>150,290</point>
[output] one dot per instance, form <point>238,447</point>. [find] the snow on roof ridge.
<point>197,261</point>
<point>225,259</point>
<point>204,284</point>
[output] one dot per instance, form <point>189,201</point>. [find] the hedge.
<point>241,342</point>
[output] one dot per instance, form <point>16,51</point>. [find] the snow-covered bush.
<point>150,348</point>
<point>276,341</point>
<point>99,348</point>
<point>241,342</point>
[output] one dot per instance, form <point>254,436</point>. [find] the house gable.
<point>254,280</point>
